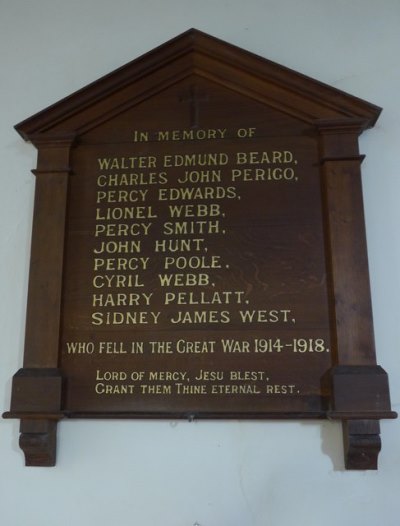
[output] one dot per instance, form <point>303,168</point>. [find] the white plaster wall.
<point>209,473</point>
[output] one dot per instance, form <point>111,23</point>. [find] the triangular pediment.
<point>196,55</point>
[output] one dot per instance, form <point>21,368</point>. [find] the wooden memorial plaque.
<point>198,251</point>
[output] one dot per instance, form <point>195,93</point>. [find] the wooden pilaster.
<point>359,392</point>
<point>37,387</point>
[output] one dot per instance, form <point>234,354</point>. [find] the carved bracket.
<point>360,397</point>
<point>36,400</point>
<point>38,441</point>
<point>362,444</point>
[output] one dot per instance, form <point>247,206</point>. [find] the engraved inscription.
<point>178,241</point>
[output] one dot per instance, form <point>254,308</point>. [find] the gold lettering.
<point>191,389</point>
<point>131,179</point>
<point>112,348</point>
<point>117,280</point>
<point>121,196</point>
<point>234,389</point>
<point>263,174</point>
<point>122,229</point>
<point>204,298</point>
<point>167,376</point>
<point>265,316</point>
<point>184,280</point>
<point>140,136</point>
<point>212,210</point>
<point>111,375</point>
<point>232,346</point>
<point>191,193</point>
<point>195,347</point>
<point>191,135</point>
<point>192,262</point>
<point>161,347</point>
<point>243,376</point>
<point>107,389</point>
<point>202,176</point>
<point>273,157</point>
<point>126,163</point>
<point>133,212</point>
<point>80,347</point>
<point>120,263</point>
<point>280,389</point>
<point>121,299</point>
<point>179,245</point>
<point>125,318</point>
<point>199,317</point>
<point>195,159</point>
<point>207,376</point>
<point>156,389</point>
<point>112,247</point>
